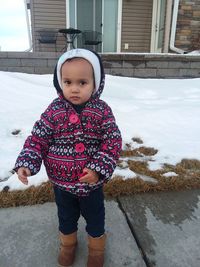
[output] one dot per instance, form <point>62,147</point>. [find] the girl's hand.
<point>23,173</point>
<point>89,176</point>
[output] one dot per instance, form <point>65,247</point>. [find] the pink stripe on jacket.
<point>68,142</point>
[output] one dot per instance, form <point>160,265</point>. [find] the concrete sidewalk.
<point>166,226</point>
<point>163,230</point>
<point>29,238</point>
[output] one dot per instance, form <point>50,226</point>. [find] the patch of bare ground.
<point>138,152</point>
<point>137,140</point>
<point>184,175</point>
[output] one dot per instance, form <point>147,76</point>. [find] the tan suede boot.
<point>96,248</point>
<point>68,245</point>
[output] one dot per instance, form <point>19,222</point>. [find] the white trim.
<point>94,15</point>
<point>102,17</point>
<point>28,26</point>
<point>154,26</point>
<point>75,14</point>
<point>119,26</point>
<point>67,13</point>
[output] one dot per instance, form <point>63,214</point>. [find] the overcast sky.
<point>13,27</point>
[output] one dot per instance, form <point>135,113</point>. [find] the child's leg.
<point>68,215</point>
<point>93,210</point>
<point>68,211</point>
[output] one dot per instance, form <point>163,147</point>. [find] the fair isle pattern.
<point>68,142</point>
<point>55,138</point>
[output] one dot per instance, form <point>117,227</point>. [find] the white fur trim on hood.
<point>81,53</point>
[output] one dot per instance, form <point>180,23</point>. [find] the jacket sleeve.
<point>104,161</point>
<point>36,145</point>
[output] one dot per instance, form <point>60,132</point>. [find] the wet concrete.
<point>166,226</point>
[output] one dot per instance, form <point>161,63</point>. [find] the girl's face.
<point>77,80</point>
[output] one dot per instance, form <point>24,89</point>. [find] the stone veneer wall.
<point>124,64</point>
<point>188,25</point>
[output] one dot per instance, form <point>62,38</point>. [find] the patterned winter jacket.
<point>67,142</point>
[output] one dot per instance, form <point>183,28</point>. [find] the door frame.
<point>155,27</point>
<point>119,21</point>
<point>119,26</point>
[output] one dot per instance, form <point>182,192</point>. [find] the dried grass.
<point>130,153</point>
<point>115,188</point>
<point>137,140</point>
<point>191,164</point>
<point>138,152</point>
<point>119,187</point>
<point>147,151</point>
<point>30,196</point>
<point>187,171</point>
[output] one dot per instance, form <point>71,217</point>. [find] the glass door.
<point>110,21</point>
<point>86,16</point>
<point>95,15</point>
<point>89,15</point>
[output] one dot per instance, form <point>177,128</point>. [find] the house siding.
<point>136,25</point>
<point>51,15</point>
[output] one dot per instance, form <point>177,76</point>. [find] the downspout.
<point>167,26</point>
<point>173,29</point>
<point>28,26</point>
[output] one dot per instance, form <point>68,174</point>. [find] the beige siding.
<point>48,14</point>
<point>136,25</point>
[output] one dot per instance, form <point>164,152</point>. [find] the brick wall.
<point>130,65</point>
<point>188,25</point>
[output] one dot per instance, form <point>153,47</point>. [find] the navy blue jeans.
<point>91,207</point>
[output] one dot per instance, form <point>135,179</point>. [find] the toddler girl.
<point>79,142</point>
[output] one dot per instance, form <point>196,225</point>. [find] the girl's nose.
<point>75,88</point>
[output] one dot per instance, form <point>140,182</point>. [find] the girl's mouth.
<point>74,98</point>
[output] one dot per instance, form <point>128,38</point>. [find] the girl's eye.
<point>82,82</point>
<point>67,82</point>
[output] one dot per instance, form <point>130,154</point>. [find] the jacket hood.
<point>94,60</point>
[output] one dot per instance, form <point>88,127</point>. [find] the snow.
<point>169,174</point>
<point>126,172</point>
<point>194,52</point>
<point>163,113</point>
